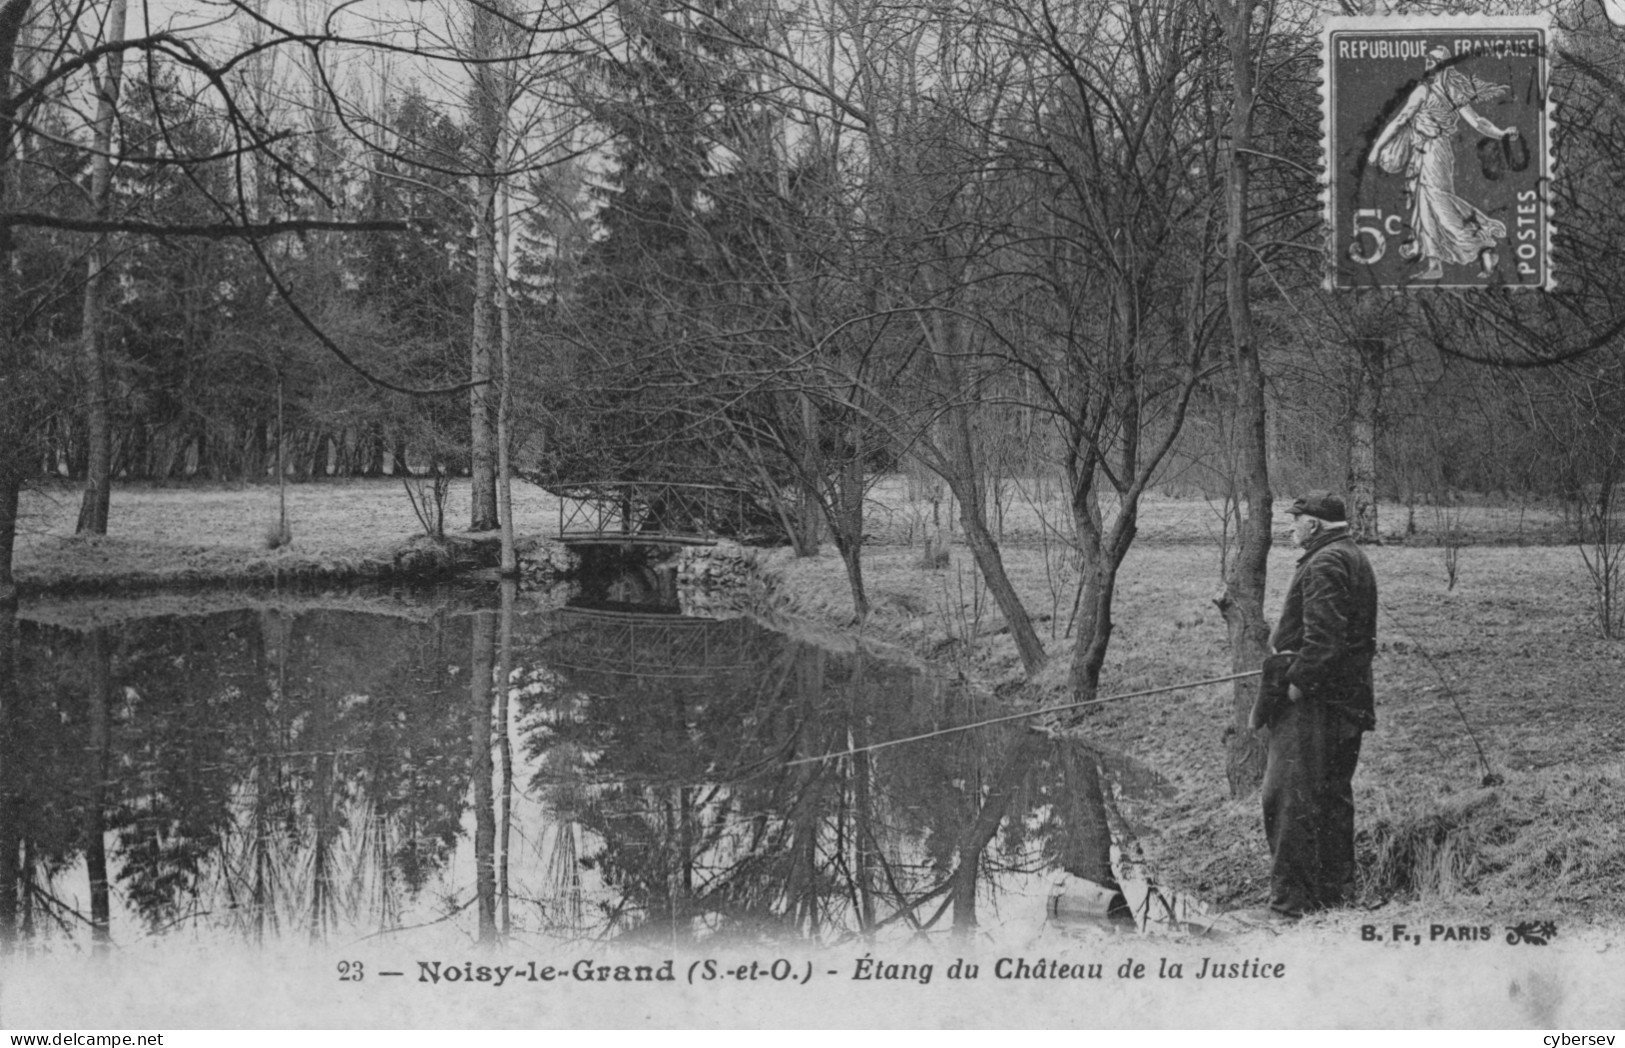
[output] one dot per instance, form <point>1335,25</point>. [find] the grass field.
<point>199,534</point>
<point>1503,678</point>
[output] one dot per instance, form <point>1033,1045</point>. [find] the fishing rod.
<point>1041,712</point>
<point>1491,776</point>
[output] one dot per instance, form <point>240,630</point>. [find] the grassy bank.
<point>205,535</point>
<point>1502,678</point>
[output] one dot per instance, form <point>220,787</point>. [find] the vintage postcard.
<point>766,515</point>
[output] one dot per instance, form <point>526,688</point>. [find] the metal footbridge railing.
<point>650,512</point>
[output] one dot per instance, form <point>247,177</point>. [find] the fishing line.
<point>1490,777</point>
<point>1044,711</point>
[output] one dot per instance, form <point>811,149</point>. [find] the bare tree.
<point>902,136</point>
<point>1242,602</point>
<point>1114,140</point>
<point>489,99</point>
<point>93,509</point>
<point>59,55</point>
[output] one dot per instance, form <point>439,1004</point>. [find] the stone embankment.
<point>719,580</point>
<point>730,579</point>
<point>723,579</point>
<point>543,562</point>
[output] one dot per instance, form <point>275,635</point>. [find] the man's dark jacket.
<point>1330,622</point>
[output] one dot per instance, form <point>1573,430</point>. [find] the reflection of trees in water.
<point>482,652</point>
<point>355,785</point>
<point>698,828</point>
<point>360,767</point>
<point>279,774</point>
<point>97,697</point>
<point>252,770</point>
<point>618,750</point>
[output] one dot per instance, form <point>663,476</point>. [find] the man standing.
<point>1329,626</point>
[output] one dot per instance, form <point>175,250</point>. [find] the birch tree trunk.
<point>93,508</point>
<point>487,114</point>
<point>510,556</point>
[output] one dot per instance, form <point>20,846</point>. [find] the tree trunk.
<point>310,445</point>
<point>14,446</point>
<point>76,454</point>
<point>98,467</point>
<point>1012,769</point>
<point>806,525</point>
<point>324,831</point>
<point>1100,556</point>
<point>964,478</point>
<point>1364,407</point>
<point>119,460</point>
<point>863,827</point>
<point>139,455</point>
<point>479,732</point>
<point>14,455</point>
<point>1242,602</point>
<point>267,651</point>
<point>93,507</point>
<point>340,454</point>
<point>985,551</point>
<point>10,492</point>
<point>805,686</point>
<point>200,448</point>
<point>848,528</point>
<point>1093,629</point>
<point>487,118</point>
<point>95,825</point>
<point>1087,848</point>
<point>808,518</point>
<point>510,556</point>
<point>166,455</point>
<point>505,652</point>
<point>373,446</point>
<point>10,832</point>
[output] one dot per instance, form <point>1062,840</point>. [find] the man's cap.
<point>1322,505</point>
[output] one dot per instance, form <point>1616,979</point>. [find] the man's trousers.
<point>1309,807</point>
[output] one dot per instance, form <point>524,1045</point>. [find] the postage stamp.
<point>1437,137</point>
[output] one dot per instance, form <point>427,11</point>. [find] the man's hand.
<point>1294,693</point>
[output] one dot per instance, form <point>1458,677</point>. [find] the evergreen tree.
<point>677,109</point>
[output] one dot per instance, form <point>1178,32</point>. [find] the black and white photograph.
<point>811,514</point>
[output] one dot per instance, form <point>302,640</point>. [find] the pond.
<point>482,764</point>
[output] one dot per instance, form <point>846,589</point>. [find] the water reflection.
<point>570,773</point>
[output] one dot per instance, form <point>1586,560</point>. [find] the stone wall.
<point>544,561</point>
<point>722,579</point>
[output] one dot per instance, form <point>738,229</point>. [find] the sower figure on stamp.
<point>1324,644</point>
